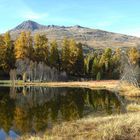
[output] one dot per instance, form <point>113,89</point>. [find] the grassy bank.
<point>119,127</point>
<point>108,84</point>
<point>129,90</point>
<point>133,107</point>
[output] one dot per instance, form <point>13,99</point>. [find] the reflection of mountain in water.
<point>32,109</point>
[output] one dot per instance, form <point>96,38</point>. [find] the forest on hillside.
<point>37,58</point>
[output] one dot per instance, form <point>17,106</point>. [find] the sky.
<point>121,16</point>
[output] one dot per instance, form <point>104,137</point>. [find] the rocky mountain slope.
<point>91,38</point>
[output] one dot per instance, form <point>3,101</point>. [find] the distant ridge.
<point>91,38</point>
<point>32,25</point>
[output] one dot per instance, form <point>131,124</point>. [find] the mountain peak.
<point>29,25</point>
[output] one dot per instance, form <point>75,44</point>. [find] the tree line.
<point>70,58</point>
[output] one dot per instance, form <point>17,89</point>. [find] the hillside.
<point>92,38</point>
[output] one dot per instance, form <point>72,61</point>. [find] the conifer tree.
<point>87,65</point>
<point>30,46</point>
<point>73,56</point>
<point>79,66</point>
<point>6,52</point>
<point>23,46</point>
<point>9,54</point>
<point>65,56</point>
<point>116,64</point>
<point>133,55</point>
<point>2,52</point>
<point>41,48</point>
<point>95,67</point>
<point>54,55</point>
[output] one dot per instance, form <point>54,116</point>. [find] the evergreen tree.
<point>116,64</point>
<point>9,55</point>
<point>6,52</point>
<point>41,48</point>
<point>87,65</point>
<point>23,46</point>
<point>2,52</point>
<point>106,56</point>
<point>54,55</point>
<point>133,55</point>
<point>73,56</point>
<point>95,67</point>
<point>30,46</point>
<point>79,66</point>
<point>65,56</point>
<point>105,63</point>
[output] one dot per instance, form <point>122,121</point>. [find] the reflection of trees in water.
<point>104,101</point>
<point>22,120</point>
<point>6,110</point>
<point>35,108</point>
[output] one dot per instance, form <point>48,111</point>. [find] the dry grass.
<point>125,89</point>
<point>119,127</point>
<point>105,84</point>
<point>133,107</point>
<point>133,99</point>
<point>129,90</point>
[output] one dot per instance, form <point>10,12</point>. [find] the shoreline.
<point>102,84</point>
<point>111,85</point>
<point>106,84</point>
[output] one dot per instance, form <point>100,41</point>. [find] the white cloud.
<point>33,15</point>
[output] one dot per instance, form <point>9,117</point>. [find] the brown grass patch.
<point>105,84</point>
<point>133,107</point>
<point>119,127</point>
<point>129,90</point>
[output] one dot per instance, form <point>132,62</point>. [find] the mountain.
<point>29,25</point>
<point>91,38</point>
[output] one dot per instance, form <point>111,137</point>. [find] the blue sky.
<point>122,16</point>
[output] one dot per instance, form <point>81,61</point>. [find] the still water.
<point>32,110</point>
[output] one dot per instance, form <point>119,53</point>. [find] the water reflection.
<point>33,109</point>
<point>11,135</point>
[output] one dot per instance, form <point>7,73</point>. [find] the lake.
<point>32,110</point>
